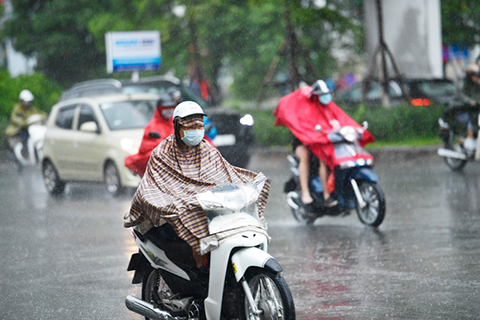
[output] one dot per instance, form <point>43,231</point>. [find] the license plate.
<point>224,140</point>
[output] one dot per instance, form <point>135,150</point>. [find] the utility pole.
<point>291,42</point>
<point>383,46</point>
<point>383,50</point>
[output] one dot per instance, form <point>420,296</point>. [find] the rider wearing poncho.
<point>301,113</point>
<point>181,166</point>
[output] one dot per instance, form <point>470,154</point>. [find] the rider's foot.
<point>330,202</point>
<point>307,198</point>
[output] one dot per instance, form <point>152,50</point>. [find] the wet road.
<point>66,258</point>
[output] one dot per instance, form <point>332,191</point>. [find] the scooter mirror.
<point>365,125</point>
<point>154,135</point>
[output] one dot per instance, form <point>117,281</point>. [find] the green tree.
<point>241,36</point>
<point>56,33</point>
<point>461,21</point>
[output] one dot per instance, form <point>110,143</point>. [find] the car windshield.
<point>434,88</point>
<point>161,87</point>
<point>374,91</point>
<point>133,114</point>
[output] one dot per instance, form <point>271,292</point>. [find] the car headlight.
<point>129,146</point>
<point>247,120</point>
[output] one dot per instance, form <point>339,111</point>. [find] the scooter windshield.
<point>232,206</point>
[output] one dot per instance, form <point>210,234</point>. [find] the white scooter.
<point>36,134</point>
<point>244,281</point>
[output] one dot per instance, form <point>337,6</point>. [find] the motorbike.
<point>355,183</point>
<point>29,153</point>
<point>243,281</point>
<point>458,136</point>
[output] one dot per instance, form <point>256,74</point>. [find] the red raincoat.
<point>301,112</point>
<point>138,162</point>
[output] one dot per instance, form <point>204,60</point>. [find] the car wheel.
<point>52,181</point>
<point>112,179</point>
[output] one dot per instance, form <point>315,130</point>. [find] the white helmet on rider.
<point>187,108</point>
<point>189,113</point>
<point>26,96</point>
<point>320,89</point>
<point>473,69</point>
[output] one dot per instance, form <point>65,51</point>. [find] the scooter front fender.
<point>219,259</point>
<point>345,193</point>
<point>365,173</point>
<point>253,257</point>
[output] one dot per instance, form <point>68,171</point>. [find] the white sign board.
<point>133,51</point>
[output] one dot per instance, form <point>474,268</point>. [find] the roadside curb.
<point>403,152</point>
<point>400,152</point>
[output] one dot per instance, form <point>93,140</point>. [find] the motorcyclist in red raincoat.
<point>320,92</point>
<point>302,111</point>
<point>159,127</point>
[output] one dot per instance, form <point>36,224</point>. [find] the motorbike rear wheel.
<point>271,295</point>
<point>300,213</point>
<point>373,213</point>
<point>453,163</point>
<point>153,284</point>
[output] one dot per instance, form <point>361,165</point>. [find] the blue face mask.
<point>193,137</point>
<point>326,98</point>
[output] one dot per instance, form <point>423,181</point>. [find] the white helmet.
<point>187,108</point>
<point>320,87</point>
<point>26,96</point>
<point>473,68</point>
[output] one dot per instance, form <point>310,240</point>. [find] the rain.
<point>65,251</point>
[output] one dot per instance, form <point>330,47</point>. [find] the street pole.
<point>383,47</point>
<point>291,44</point>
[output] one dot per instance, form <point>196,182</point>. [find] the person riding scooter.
<point>309,113</point>
<point>17,130</point>
<point>183,165</point>
<point>160,127</point>
<point>320,92</point>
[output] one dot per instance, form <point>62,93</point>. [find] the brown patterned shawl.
<point>175,174</point>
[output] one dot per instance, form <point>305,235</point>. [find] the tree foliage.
<point>238,38</point>
<point>56,33</point>
<point>461,21</point>
<point>45,91</point>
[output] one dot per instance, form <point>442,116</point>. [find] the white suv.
<point>88,138</point>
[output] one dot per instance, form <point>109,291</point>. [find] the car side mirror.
<point>89,126</point>
<point>154,135</point>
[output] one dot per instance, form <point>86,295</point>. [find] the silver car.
<point>88,138</point>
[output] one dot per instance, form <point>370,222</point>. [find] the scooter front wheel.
<point>271,296</point>
<point>373,211</point>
